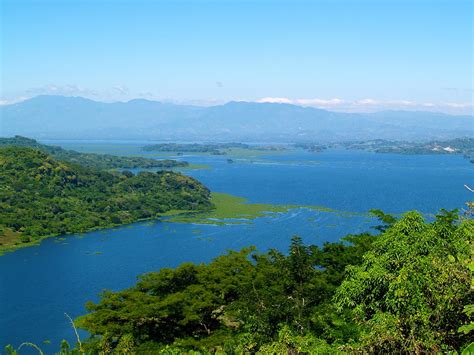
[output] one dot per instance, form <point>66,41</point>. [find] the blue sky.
<point>337,54</point>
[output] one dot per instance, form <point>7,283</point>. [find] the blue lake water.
<point>39,284</point>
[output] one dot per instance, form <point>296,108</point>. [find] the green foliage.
<point>9,350</point>
<point>386,219</point>
<point>126,344</point>
<point>40,196</point>
<point>65,347</point>
<point>91,160</point>
<point>410,291</point>
<point>25,239</point>
<point>402,291</point>
<point>289,342</point>
<point>469,309</point>
<point>238,302</point>
<point>468,350</point>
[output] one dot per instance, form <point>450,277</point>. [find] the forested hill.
<point>99,161</point>
<point>41,196</point>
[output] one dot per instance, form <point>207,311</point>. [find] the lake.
<point>39,284</point>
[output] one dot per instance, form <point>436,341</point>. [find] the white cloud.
<point>337,104</point>
<point>121,90</point>
<point>373,105</point>
<point>303,102</point>
<point>12,101</point>
<point>458,105</point>
<point>65,90</point>
<point>366,102</point>
<point>401,103</point>
<point>320,102</point>
<point>276,100</point>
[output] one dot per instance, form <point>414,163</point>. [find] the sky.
<point>342,55</point>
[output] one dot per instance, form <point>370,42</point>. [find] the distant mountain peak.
<point>49,116</point>
<point>142,101</point>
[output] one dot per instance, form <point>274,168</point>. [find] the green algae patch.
<point>229,209</point>
<point>250,153</point>
<point>195,167</point>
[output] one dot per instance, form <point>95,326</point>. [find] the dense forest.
<point>92,160</point>
<point>405,289</point>
<point>41,196</point>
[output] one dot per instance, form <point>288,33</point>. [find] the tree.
<point>410,291</point>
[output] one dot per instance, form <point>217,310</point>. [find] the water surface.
<point>39,284</point>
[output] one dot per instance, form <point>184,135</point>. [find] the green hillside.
<point>92,160</point>
<point>41,196</point>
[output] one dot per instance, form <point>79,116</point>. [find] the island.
<point>211,148</point>
<point>311,147</point>
<point>464,146</point>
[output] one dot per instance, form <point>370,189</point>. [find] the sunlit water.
<point>39,284</point>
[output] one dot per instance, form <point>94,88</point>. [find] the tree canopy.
<point>92,160</point>
<point>410,290</point>
<point>41,196</point>
<point>404,290</point>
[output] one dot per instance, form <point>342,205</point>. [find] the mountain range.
<point>49,117</point>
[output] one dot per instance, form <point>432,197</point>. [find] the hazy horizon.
<point>203,104</point>
<point>50,116</point>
